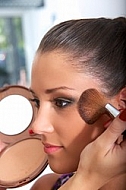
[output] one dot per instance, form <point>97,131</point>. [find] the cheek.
<point>74,135</point>
<point>75,132</point>
<point>69,125</point>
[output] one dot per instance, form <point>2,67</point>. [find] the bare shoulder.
<point>45,182</point>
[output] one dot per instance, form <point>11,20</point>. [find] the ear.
<point>122,99</point>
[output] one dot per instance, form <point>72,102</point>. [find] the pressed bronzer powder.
<point>21,162</point>
<point>22,158</point>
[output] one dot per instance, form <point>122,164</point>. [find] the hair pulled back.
<point>98,45</point>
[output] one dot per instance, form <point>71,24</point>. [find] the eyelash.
<point>62,102</point>
<point>58,102</point>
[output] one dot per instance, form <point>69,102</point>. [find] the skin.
<point>59,123</point>
<point>61,126</point>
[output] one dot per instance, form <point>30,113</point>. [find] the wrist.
<point>85,182</point>
<point>77,181</point>
<point>88,180</point>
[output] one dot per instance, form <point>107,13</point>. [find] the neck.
<point>118,183</point>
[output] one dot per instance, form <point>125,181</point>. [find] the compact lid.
<point>22,157</point>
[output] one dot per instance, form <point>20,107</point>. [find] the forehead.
<point>53,60</point>
<point>54,69</point>
<point>52,65</point>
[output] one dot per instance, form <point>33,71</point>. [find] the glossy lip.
<point>50,149</point>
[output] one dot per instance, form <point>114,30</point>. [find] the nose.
<point>42,122</point>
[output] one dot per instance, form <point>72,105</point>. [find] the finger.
<point>112,133</point>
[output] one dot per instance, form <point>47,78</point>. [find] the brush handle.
<point>114,112</point>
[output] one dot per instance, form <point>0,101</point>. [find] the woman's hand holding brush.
<point>104,159</point>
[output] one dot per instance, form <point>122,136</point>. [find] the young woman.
<point>72,57</point>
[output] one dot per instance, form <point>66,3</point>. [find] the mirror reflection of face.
<point>15,114</point>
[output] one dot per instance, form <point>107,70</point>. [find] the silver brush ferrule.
<point>112,110</point>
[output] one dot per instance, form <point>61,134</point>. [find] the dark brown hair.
<point>97,45</point>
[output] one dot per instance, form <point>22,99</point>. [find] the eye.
<point>36,101</point>
<point>62,102</point>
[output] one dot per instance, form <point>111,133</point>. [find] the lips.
<point>49,149</point>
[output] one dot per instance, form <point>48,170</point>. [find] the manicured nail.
<point>31,132</point>
<point>122,115</point>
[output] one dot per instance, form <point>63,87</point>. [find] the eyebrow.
<point>48,91</point>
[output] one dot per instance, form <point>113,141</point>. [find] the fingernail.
<point>122,115</point>
<point>31,132</point>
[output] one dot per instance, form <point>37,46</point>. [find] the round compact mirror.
<point>22,157</point>
<point>15,114</point>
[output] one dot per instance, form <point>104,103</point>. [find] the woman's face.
<point>57,87</point>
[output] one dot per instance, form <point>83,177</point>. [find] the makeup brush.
<point>92,105</point>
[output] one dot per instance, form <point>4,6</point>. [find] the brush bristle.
<point>91,105</point>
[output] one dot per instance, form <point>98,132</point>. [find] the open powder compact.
<point>22,157</point>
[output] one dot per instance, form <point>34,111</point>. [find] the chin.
<point>61,164</point>
<point>61,169</point>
